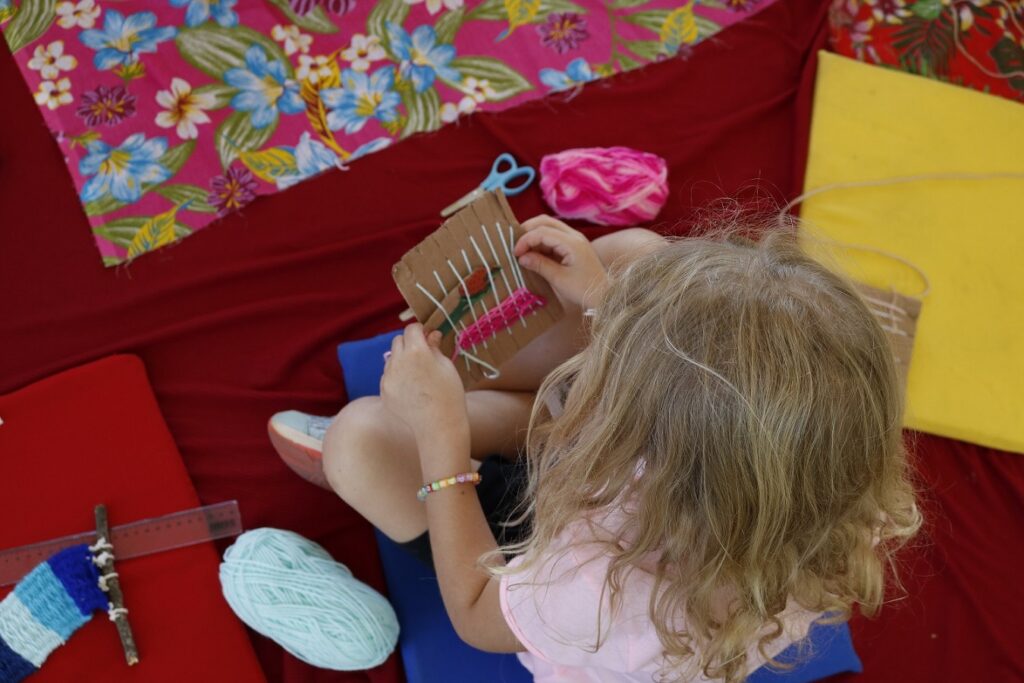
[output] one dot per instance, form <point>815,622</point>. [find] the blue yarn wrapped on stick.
<point>49,604</point>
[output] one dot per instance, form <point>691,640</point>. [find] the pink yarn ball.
<point>605,185</point>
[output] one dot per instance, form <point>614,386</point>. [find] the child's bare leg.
<point>370,456</point>
<point>531,365</point>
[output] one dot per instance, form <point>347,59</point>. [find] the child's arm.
<point>422,387</point>
<point>459,535</point>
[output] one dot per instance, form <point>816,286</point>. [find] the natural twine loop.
<point>782,217</point>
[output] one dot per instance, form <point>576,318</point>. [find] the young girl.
<point>713,460</point>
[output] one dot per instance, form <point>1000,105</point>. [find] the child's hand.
<point>565,258</point>
<point>422,387</point>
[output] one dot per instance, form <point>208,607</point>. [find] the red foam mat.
<point>93,435</point>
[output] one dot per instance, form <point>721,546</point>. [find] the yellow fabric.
<point>967,374</point>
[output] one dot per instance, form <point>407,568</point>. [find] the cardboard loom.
<point>486,300</point>
<point>897,314</point>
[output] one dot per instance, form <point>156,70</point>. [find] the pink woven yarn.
<point>605,185</point>
<point>522,302</point>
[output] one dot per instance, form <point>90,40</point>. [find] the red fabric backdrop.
<point>241,320</point>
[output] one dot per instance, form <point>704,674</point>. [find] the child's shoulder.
<point>558,605</point>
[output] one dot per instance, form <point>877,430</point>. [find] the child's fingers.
<point>414,336</point>
<point>434,339</point>
<point>544,220</point>
<point>547,268</point>
<point>544,238</point>
<point>438,354</point>
<point>396,344</point>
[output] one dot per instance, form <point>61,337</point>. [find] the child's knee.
<point>628,244</point>
<point>357,423</point>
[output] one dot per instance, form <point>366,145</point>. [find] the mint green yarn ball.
<point>292,591</point>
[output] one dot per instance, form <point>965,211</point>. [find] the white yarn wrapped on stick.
<point>291,590</point>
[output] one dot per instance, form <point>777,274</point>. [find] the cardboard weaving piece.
<point>483,233</point>
<point>882,281</point>
<point>897,314</point>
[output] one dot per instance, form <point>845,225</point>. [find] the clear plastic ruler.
<point>135,539</point>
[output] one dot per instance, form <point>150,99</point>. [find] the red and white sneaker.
<point>298,439</point>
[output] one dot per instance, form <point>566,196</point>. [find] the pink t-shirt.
<point>553,608</point>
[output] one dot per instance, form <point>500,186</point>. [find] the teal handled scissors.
<point>506,175</point>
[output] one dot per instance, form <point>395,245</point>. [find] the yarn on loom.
<point>291,590</point>
<point>606,186</point>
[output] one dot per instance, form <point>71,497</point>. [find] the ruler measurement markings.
<point>134,539</point>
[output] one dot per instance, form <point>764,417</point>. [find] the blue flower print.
<point>361,98</point>
<point>120,171</point>
<point>200,10</point>
<point>264,88</point>
<point>311,157</point>
<point>122,39</point>
<point>421,58</point>
<point>577,72</point>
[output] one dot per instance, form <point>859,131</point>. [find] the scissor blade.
<point>464,201</point>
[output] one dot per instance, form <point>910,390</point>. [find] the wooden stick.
<point>124,629</point>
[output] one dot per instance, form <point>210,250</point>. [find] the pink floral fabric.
<point>172,113</point>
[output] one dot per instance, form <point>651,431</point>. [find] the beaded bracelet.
<point>464,478</point>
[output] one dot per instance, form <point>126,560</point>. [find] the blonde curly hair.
<point>745,401</point>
